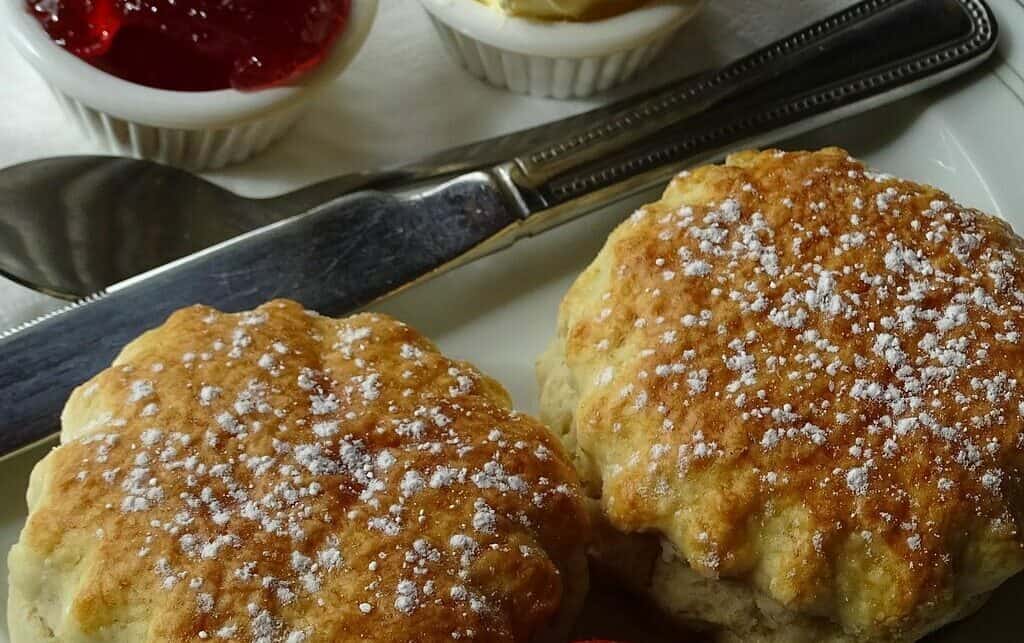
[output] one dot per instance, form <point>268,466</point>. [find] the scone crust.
<point>279,476</point>
<point>805,376</point>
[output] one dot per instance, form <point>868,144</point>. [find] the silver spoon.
<point>73,225</point>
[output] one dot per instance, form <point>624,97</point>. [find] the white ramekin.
<point>197,130</point>
<point>552,58</point>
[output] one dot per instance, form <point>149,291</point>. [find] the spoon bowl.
<point>70,226</point>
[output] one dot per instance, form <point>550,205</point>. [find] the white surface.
<point>402,97</point>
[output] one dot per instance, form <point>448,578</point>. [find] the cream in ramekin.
<point>555,49</point>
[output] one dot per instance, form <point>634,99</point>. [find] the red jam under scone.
<point>196,45</point>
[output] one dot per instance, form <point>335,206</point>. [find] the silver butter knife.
<point>358,248</point>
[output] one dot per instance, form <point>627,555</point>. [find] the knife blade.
<point>358,248</point>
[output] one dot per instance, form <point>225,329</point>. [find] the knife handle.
<point>869,49</point>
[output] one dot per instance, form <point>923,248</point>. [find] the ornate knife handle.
<point>872,48</point>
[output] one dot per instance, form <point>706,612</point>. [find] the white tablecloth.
<point>400,99</point>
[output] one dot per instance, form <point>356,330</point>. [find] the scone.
<point>278,476</point>
<point>794,387</point>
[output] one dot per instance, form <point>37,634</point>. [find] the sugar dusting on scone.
<point>279,476</point>
<point>804,379</point>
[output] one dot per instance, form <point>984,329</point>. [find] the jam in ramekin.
<point>197,45</point>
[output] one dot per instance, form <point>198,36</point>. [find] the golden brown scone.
<point>804,379</point>
<point>278,476</point>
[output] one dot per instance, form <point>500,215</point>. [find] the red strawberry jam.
<point>196,45</point>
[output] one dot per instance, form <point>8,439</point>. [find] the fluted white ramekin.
<point>197,130</point>
<point>553,58</point>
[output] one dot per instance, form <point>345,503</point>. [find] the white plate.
<point>499,312</point>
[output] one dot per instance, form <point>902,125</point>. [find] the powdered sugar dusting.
<point>835,329</point>
<point>308,457</point>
